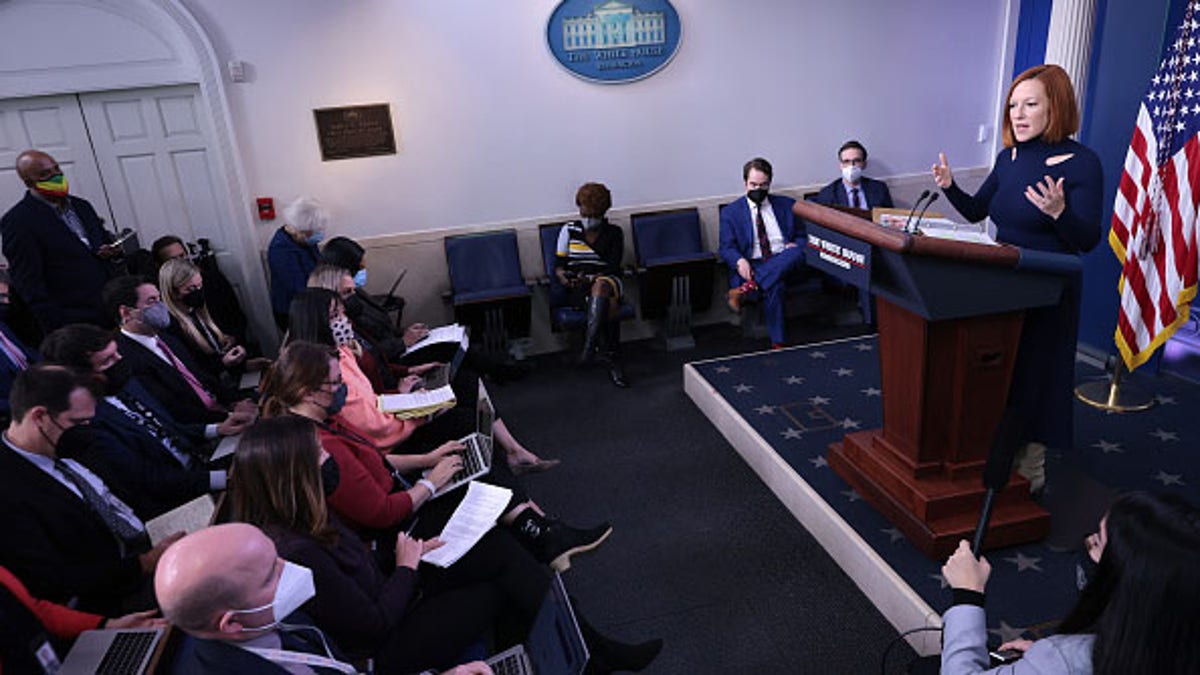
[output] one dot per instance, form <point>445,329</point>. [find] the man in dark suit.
<point>15,357</point>
<point>853,188</point>
<point>762,243</point>
<point>158,360</point>
<point>151,461</point>
<point>57,246</point>
<point>64,533</point>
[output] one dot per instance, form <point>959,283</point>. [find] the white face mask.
<point>851,173</point>
<point>295,588</point>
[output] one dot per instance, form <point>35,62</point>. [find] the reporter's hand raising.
<point>962,570</point>
<point>941,172</point>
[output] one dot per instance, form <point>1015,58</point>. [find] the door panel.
<point>52,124</point>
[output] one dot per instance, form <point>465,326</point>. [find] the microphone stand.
<point>916,204</point>
<point>917,225</point>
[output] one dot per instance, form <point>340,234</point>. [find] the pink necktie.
<point>205,397</point>
<point>13,352</point>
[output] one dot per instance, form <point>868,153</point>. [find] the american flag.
<point>1154,217</point>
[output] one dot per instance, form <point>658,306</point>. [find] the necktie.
<point>13,352</point>
<point>764,242</point>
<point>854,198</point>
<point>202,393</point>
<point>146,419</point>
<point>123,529</point>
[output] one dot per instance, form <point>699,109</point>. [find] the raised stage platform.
<point>781,410</point>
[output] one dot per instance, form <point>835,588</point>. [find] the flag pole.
<point>1115,394</point>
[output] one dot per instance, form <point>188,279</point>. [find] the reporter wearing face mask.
<point>292,253</point>
<point>853,188</point>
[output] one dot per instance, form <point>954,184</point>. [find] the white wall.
<point>492,129</point>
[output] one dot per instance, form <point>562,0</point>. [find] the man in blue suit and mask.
<point>761,242</point>
<point>853,188</point>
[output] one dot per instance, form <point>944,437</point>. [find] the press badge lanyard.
<point>283,656</point>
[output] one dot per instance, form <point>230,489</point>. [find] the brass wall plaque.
<point>355,131</point>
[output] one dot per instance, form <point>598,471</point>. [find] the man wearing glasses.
<point>854,189</point>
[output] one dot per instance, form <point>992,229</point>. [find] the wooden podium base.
<point>935,512</point>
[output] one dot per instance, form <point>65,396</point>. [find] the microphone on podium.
<point>917,225</point>
<point>916,204</point>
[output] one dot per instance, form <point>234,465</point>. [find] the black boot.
<point>597,312</point>
<point>552,542</point>
<point>606,655</point>
<point>612,354</point>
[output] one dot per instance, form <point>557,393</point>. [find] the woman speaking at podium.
<point>1044,193</point>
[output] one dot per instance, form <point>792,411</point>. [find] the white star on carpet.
<point>792,433</point>
<point>819,462</point>
<point>893,534</point>
<point>1165,436</point>
<point>1107,447</point>
<point>1165,400</point>
<point>850,424</point>
<point>872,391</point>
<point>1007,633</point>
<point>744,388</point>
<point>818,400</point>
<point>765,410</point>
<point>817,355</point>
<point>794,379</point>
<point>1024,562</point>
<point>843,372</point>
<point>1168,478</point>
<point>852,495</point>
<point>863,347</point>
<point>722,369</point>
<point>940,579</point>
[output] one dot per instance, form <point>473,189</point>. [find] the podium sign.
<point>839,256</point>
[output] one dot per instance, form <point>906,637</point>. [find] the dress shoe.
<point>736,295</point>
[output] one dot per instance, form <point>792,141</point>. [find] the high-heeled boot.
<point>612,354</point>
<point>597,312</point>
<point>606,655</point>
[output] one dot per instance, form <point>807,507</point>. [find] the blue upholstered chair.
<point>564,317</point>
<point>675,272</point>
<point>487,289</point>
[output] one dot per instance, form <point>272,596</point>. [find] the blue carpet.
<point>800,400</point>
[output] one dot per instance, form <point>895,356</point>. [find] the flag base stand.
<point>1115,394</point>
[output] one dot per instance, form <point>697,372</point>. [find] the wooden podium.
<point>949,317</point>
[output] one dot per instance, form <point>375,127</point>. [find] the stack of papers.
<point>454,333</point>
<point>475,515</point>
<point>418,403</point>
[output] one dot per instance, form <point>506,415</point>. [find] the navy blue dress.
<point>1044,377</point>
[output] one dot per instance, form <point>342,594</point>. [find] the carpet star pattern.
<point>894,535</point>
<point>1168,478</point>
<point>819,462</point>
<point>794,379</point>
<point>1165,436</point>
<point>872,391</point>
<point>1024,562</point>
<point>1107,447</point>
<point>1007,633</point>
<point>792,434</point>
<point>722,369</point>
<point>843,372</point>
<point>744,388</point>
<point>765,410</point>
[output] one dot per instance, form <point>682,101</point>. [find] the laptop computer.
<point>555,644</point>
<point>121,651</point>
<point>477,450</point>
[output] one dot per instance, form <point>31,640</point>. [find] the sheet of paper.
<point>226,447</point>
<point>475,515</point>
<point>250,379</point>
<point>942,228</point>
<point>418,400</point>
<point>194,515</point>
<point>451,333</point>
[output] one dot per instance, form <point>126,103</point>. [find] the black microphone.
<point>917,225</point>
<point>998,468</point>
<point>917,203</point>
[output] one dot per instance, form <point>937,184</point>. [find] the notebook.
<point>123,651</point>
<point>477,451</point>
<point>555,644</point>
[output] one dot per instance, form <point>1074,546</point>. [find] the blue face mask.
<point>315,238</point>
<point>360,278</point>
<point>339,400</point>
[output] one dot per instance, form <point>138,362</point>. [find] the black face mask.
<point>354,306</point>
<point>331,475</point>
<point>193,298</point>
<point>116,377</point>
<point>75,441</point>
<point>757,195</point>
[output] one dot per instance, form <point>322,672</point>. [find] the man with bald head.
<point>57,248</point>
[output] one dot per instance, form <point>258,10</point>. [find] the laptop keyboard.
<point>509,665</point>
<point>126,653</point>
<point>471,462</point>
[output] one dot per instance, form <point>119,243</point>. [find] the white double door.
<point>143,157</point>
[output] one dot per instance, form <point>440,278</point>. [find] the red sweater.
<point>364,498</point>
<point>62,622</point>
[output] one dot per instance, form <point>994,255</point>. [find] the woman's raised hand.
<point>941,172</point>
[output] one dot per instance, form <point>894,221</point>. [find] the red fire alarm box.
<point>266,208</point>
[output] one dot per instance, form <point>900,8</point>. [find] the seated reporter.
<point>65,534</point>
<point>181,288</point>
<point>318,315</point>
<point>588,264</point>
<point>378,493</point>
<point>371,319</point>
<point>27,622</point>
<point>1140,612</point>
<point>152,462</point>
<point>405,619</point>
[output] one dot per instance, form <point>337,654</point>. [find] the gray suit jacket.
<point>964,649</point>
